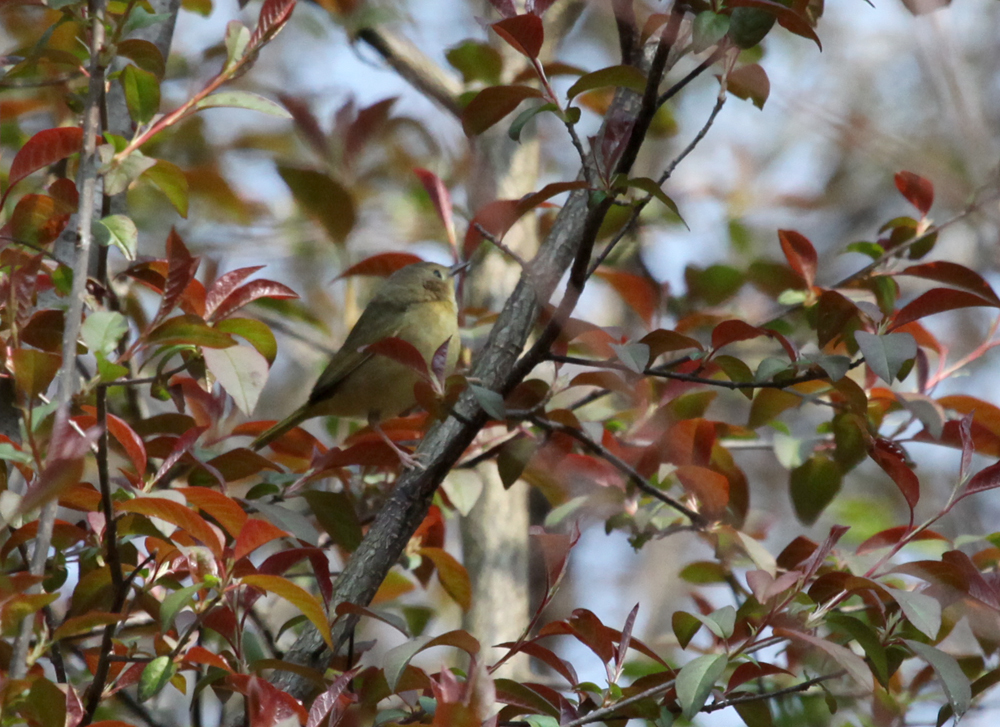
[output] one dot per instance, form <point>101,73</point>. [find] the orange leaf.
<point>452,574</point>
<point>254,534</point>
<point>307,603</point>
<point>176,514</point>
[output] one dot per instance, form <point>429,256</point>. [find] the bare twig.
<point>500,245</point>
<point>604,713</point>
<point>87,184</point>
<point>697,71</point>
<point>800,687</point>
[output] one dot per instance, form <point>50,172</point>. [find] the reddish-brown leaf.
<point>382,265</point>
<point>181,446</point>
<point>224,285</point>
<point>954,274</point>
<point>180,272</point>
<point>38,219</point>
<point>639,292</point>
<point>891,536</point>
<point>918,191</point>
<point>201,655</point>
<point>126,436</point>
<point>46,147</point>
<point>226,511</point>
<point>402,352</point>
<point>493,103</point>
<point>664,340</point>
<point>889,457</point>
<point>333,702</point>
<point>801,255</point>
<point>250,292</point>
<point>177,514</point>
<point>441,199</point>
<point>711,488</point>
<point>500,215</point>
<point>273,16</point>
<point>752,670</point>
<point>734,330</point>
<point>524,33</point>
<point>254,534</point>
<point>985,479</point>
<point>938,300</point>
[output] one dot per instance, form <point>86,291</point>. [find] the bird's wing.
<point>380,319</point>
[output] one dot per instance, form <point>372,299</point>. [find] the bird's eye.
<point>437,274</point>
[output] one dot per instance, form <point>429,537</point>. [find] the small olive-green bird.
<point>416,304</point>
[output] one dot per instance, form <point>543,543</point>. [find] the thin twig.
<point>501,245</point>
<point>87,184</point>
<point>621,465</point>
<point>698,70</point>
<point>690,378</point>
<point>800,687</point>
<point>602,714</point>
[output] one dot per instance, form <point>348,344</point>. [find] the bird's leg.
<point>409,461</point>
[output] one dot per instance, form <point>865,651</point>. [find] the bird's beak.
<point>456,269</point>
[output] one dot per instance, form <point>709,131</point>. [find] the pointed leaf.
<point>956,684</point>
<point>244,100</point>
<point>886,354</point>
<point>524,33</point>
<point>44,148</point>
<point>696,680</point>
<point>623,76</point>
<point>918,191</point>
<point>310,607</point>
<point>241,371</point>
<point>382,265</point>
<point>492,104</point>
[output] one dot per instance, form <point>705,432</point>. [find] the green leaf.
<point>634,355</point>
<point>886,354</point>
<point>156,675</point>
<point>695,681</point>
<point>120,231</point>
<point>34,370</point>
<point>144,54</point>
<point>142,93</point>
<point>336,515</point>
<point>685,626</point>
<point>956,684</point>
<point>707,30</point>
<point>242,372</point>
<point>255,332</point>
<point>188,330</point>
<point>514,132</point>
<point>813,487</point>
<point>476,61</point>
<point>922,611</point>
<point>720,622</point>
<point>513,458</point>
<point>140,18</point>
<point>649,186</point>
<point>237,39</point>
<point>172,604</point>
<point>102,330</point>
<point>490,401</point>
<point>322,198</point>
<point>244,100</point>
<point>623,76</point>
<point>170,180</point>
<point>9,453</point>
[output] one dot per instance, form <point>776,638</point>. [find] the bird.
<point>416,304</point>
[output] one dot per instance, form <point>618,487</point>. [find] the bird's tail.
<point>286,424</point>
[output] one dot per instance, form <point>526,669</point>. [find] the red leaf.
<point>180,272</point>
<point>986,479</point>
<point>441,199</point>
<point>711,488</point>
<point>273,16</point>
<point>560,666</point>
<point>752,670</point>
<point>499,216</point>
<point>938,300</point>
<point>254,534</point>
<point>918,191</point>
<point>226,511</point>
<point>181,446</point>
<point>402,352</point>
<point>800,253</point>
<point>504,7</point>
<point>201,655</point>
<point>734,330</point>
<point>492,104</point>
<point>953,274</point>
<point>225,285</point>
<point>177,514</point>
<point>333,701</point>
<point>891,536</point>
<point>889,457</point>
<point>523,33</point>
<point>46,147</point>
<point>38,219</point>
<point>126,436</point>
<point>639,292</point>
<point>250,292</point>
<point>382,265</point>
